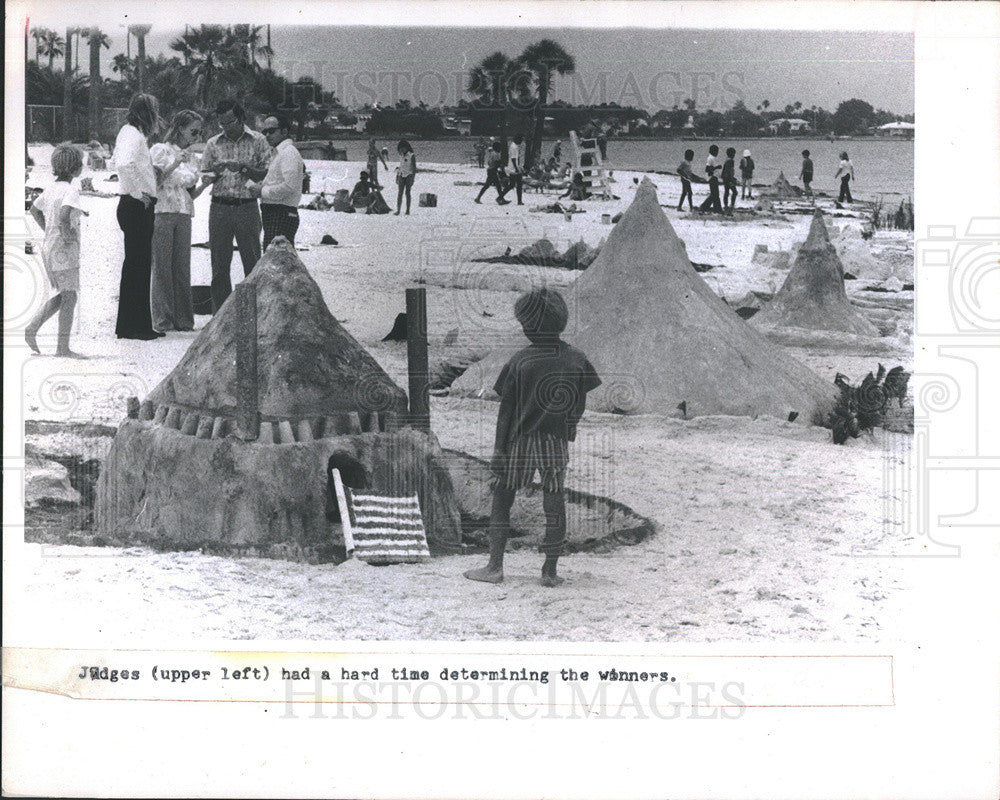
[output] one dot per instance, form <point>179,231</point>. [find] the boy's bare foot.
<point>30,338</point>
<point>71,354</point>
<point>552,580</point>
<point>485,574</point>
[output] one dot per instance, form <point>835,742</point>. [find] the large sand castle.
<point>660,337</point>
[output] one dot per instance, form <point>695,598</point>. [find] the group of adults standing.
<point>256,181</point>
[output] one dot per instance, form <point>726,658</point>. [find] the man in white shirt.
<point>281,190</point>
<point>515,165</point>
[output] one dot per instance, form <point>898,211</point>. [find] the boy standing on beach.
<point>712,202</point>
<point>543,392</point>
<point>729,180</point>
<point>807,172</point>
<point>746,172</point>
<point>685,173</point>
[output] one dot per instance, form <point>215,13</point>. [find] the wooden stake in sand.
<point>416,358</point>
<point>247,412</point>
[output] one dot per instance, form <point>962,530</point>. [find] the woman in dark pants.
<point>846,174</point>
<point>137,190</point>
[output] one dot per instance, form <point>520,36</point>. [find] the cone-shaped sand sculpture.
<point>659,336</point>
<point>179,477</point>
<point>781,189</point>
<point>813,294</point>
<point>308,365</point>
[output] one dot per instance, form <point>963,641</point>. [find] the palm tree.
<point>96,39</point>
<point>490,81</point>
<point>68,126</point>
<point>38,34</point>
<point>543,59</point>
<point>206,49</point>
<point>140,32</point>
<point>266,50</point>
<point>52,46</point>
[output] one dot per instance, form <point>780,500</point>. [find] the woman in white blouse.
<point>177,186</point>
<point>137,191</point>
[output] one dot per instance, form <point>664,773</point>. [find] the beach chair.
<point>380,529</point>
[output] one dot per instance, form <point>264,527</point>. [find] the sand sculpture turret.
<point>186,470</point>
<point>813,294</point>
<point>660,337</point>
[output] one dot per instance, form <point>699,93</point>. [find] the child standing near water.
<point>730,192</point>
<point>807,172</point>
<point>543,392</point>
<point>746,172</point>
<point>685,172</point>
<point>57,210</point>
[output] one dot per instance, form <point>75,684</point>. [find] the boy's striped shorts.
<point>543,453</point>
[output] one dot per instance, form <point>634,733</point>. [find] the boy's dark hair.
<point>364,175</point>
<point>730,152</point>
<point>714,149</point>
<point>805,154</point>
<point>225,106</point>
<point>688,155</point>
<point>542,311</point>
<point>404,146</point>
<point>518,139</point>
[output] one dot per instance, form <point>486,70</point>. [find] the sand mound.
<point>813,296</point>
<point>308,364</point>
<point>659,336</point>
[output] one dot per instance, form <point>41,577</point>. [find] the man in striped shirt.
<point>231,159</point>
<point>543,392</point>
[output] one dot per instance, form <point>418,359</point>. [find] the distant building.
<point>462,125</point>
<point>795,125</point>
<point>904,129</point>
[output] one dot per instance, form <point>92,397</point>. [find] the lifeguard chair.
<point>587,161</point>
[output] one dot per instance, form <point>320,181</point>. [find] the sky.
<point>648,68</point>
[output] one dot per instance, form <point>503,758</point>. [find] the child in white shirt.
<point>57,210</point>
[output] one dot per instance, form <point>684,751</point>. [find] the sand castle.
<point>813,294</point>
<point>660,337</point>
<point>181,474</point>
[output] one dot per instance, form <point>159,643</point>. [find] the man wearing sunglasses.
<point>281,189</point>
<point>231,158</point>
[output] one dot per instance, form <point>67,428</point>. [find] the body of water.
<point>881,166</point>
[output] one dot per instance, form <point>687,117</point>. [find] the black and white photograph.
<point>339,326</point>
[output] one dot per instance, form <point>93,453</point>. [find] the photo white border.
<point>938,741</point>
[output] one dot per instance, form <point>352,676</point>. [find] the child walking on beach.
<point>712,202</point>
<point>730,192</point>
<point>685,172</point>
<point>543,392</point>
<point>746,172</point>
<point>846,174</point>
<point>57,210</point>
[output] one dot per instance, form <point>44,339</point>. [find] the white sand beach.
<point>763,525</point>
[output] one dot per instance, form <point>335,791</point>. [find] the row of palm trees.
<point>213,53</point>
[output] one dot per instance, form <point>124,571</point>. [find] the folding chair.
<point>381,529</point>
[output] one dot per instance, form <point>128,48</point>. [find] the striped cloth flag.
<point>388,530</point>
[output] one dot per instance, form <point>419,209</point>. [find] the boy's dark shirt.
<point>543,389</point>
<point>729,171</point>
<point>807,169</point>
<point>746,167</point>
